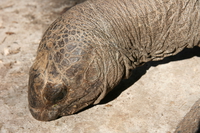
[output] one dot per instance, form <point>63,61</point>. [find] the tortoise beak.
<point>44,115</point>
<point>39,110</point>
<point>37,106</point>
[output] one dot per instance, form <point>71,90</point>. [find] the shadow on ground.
<point>140,71</point>
<point>198,131</point>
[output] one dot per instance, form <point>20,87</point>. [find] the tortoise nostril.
<point>54,92</point>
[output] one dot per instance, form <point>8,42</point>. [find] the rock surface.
<point>190,123</point>
<point>154,100</point>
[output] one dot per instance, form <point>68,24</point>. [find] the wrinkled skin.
<point>85,53</point>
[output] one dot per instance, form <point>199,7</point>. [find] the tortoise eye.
<point>54,92</point>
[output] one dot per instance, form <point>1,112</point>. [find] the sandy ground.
<point>153,100</point>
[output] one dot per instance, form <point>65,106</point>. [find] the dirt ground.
<point>154,100</point>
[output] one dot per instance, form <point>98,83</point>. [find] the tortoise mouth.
<point>44,114</point>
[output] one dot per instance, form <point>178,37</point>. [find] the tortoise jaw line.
<point>44,114</point>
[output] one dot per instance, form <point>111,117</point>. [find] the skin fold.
<point>87,51</point>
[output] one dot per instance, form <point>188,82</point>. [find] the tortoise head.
<point>68,73</point>
<point>57,89</point>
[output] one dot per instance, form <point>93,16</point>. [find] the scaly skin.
<point>88,50</point>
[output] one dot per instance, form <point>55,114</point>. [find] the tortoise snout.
<point>39,109</point>
<point>35,86</point>
<point>44,114</point>
<point>54,92</point>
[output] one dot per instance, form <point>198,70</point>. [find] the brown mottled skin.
<point>88,50</point>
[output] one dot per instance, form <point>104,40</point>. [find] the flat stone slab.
<point>154,100</point>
